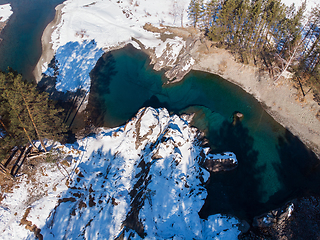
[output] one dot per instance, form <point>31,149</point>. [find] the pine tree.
<point>194,11</point>
<point>31,114</point>
<point>210,12</point>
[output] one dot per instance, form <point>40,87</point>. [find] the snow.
<point>111,24</point>
<point>41,194</point>
<point>143,175</point>
<point>175,44</point>
<point>5,12</point>
<point>298,3</point>
<point>188,65</point>
<point>221,156</point>
<point>75,62</point>
<point>290,209</point>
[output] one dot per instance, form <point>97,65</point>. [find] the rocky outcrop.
<point>143,180</point>
<point>177,63</point>
<point>220,162</point>
<point>298,219</point>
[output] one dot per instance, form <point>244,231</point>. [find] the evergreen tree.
<point>266,31</point>
<point>210,13</point>
<point>195,11</point>
<point>31,115</point>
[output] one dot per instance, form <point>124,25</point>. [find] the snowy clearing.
<point>111,24</point>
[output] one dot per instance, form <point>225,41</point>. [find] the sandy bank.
<point>2,25</point>
<point>282,101</point>
<point>47,51</point>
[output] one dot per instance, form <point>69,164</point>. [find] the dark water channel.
<point>20,48</point>
<point>274,166</point>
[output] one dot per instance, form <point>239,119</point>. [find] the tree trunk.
<point>288,63</point>
<point>5,128</point>
<point>34,125</point>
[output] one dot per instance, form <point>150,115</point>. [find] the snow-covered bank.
<point>75,62</point>
<point>142,179</point>
<point>5,12</point>
<point>112,24</point>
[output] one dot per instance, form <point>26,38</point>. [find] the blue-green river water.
<point>274,166</point>
<point>21,44</point>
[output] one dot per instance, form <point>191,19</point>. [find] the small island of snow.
<point>5,12</point>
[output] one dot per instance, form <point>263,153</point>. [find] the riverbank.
<point>282,100</point>
<point>47,50</point>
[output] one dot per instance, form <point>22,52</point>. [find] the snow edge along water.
<point>141,180</point>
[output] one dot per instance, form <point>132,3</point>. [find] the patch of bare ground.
<point>30,226</point>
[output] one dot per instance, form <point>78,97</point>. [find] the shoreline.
<point>47,51</point>
<point>282,101</point>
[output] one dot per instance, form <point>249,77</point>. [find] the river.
<point>21,45</point>
<point>274,166</point>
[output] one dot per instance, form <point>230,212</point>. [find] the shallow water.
<point>20,48</point>
<point>274,166</point>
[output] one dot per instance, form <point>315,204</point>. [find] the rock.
<point>237,117</point>
<point>244,226</point>
<point>220,162</point>
<point>273,217</point>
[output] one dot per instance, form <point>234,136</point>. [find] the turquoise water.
<point>21,45</point>
<point>274,166</point>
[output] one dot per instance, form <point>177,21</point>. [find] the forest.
<point>266,33</point>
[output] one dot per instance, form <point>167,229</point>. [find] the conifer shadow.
<point>87,199</point>
<point>235,192</point>
<point>101,76</point>
<point>66,100</point>
<point>298,171</point>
